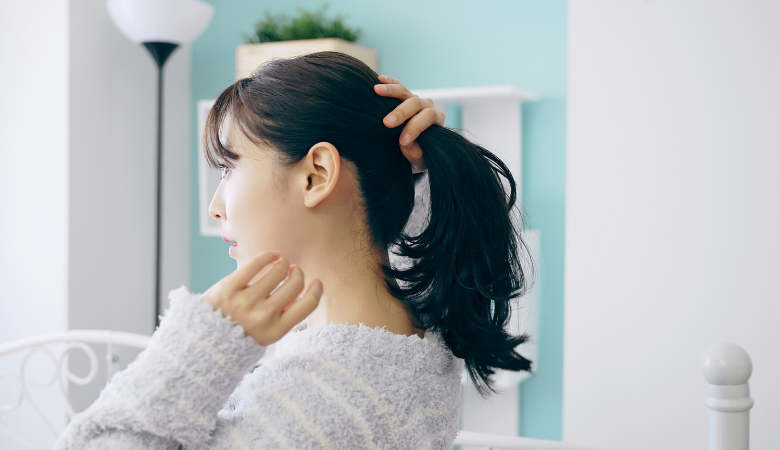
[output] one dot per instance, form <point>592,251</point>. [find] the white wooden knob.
<point>726,364</point>
<point>727,368</point>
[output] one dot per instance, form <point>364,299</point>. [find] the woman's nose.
<point>216,208</point>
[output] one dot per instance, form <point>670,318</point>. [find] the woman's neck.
<point>353,308</point>
<point>353,294</point>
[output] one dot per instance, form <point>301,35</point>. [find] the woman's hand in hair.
<point>244,296</point>
<point>422,112</point>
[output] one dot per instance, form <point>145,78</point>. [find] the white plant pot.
<point>250,56</point>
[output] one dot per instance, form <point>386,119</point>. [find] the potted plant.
<point>309,32</point>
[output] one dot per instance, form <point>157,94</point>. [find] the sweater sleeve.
<point>170,395</point>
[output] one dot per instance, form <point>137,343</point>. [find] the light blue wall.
<point>432,44</point>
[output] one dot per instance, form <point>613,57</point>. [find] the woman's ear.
<point>322,167</point>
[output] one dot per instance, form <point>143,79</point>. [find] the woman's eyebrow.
<point>229,148</point>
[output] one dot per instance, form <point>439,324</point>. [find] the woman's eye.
<point>224,170</point>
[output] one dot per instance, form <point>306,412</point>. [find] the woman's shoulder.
<point>358,352</point>
<point>362,345</point>
<point>352,373</point>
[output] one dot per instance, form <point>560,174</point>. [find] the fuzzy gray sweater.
<point>333,387</point>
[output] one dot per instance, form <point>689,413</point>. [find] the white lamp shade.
<point>175,21</point>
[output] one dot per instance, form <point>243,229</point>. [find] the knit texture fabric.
<point>333,387</point>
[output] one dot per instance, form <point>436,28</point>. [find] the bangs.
<point>215,133</point>
<point>231,109</point>
<point>227,111</point>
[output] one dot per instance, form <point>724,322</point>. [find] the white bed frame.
<point>726,367</point>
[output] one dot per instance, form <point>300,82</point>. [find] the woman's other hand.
<point>422,112</point>
<point>244,296</point>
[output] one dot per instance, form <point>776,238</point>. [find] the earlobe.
<point>323,167</point>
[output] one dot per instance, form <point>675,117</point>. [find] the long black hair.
<point>466,262</point>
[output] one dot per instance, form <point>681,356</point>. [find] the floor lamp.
<point>161,26</point>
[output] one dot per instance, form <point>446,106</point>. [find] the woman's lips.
<point>232,248</point>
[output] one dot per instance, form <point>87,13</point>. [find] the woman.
<point>310,169</point>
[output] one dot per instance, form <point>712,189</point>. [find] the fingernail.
<point>392,120</point>
<point>383,87</point>
<point>276,254</point>
<point>406,140</point>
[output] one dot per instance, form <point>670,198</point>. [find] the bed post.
<point>727,368</point>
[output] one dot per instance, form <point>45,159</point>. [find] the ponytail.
<point>467,266</point>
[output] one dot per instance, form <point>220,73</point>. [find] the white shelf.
<point>472,94</point>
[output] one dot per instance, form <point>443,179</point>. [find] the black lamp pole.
<point>160,52</point>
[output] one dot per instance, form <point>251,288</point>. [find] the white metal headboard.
<point>727,368</point>
<point>60,374</point>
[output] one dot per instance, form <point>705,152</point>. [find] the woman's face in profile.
<point>252,212</point>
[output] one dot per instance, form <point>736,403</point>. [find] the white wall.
<point>34,188</point>
<point>78,118</point>
<point>34,180</point>
<point>672,215</point>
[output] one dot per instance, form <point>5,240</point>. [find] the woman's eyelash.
<point>223,168</point>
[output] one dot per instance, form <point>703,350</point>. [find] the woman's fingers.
<point>386,79</point>
<point>242,276</point>
<point>267,309</point>
<point>416,125</point>
<point>267,283</point>
<point>412,103</point>
<point>288,291</point>
<point>395,90</point>
<point>418,114</point>
<point>411,107</point>
<point>415,156</point>
<point>419,123</point>
<point>298,310</point>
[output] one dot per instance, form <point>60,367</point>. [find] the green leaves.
<point>308,25</point>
